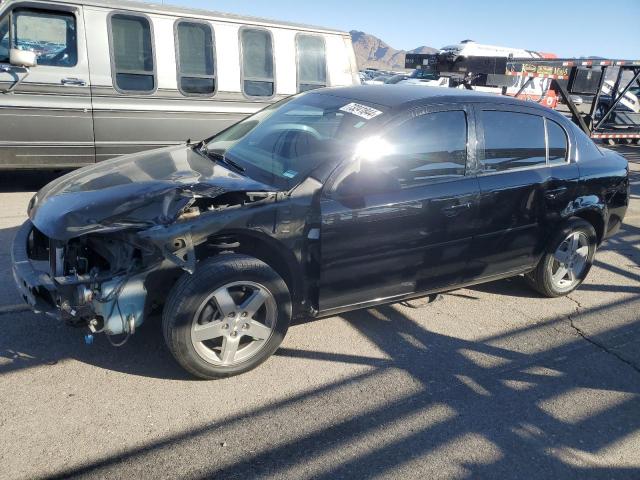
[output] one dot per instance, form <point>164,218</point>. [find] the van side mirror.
<point>22,58</point>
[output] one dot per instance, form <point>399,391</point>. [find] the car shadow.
<point>512,287</point>
<point>505,408</point>
<point>28,180</point>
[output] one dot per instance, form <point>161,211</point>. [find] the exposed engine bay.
<point>109,282</point>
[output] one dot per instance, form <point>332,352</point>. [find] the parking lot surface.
<point>490,382</point>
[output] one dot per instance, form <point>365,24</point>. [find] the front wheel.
<point>565,266</point>
<point>226,318</point>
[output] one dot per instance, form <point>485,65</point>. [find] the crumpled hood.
<point>139,190</point>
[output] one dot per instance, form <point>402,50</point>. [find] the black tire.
<point>540,279</point>
<point>189,293</point>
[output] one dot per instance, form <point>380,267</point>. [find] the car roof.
<point>399,96</point>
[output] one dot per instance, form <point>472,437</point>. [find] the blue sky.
<point>565,27</point>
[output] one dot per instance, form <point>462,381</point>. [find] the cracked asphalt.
<point>489,382</point>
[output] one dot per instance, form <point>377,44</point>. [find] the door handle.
<point>455,209</point>
<point>74,81</point>
<point>553,194</point>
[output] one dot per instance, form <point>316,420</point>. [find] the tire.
<point>547,278</point>
<point>214,323</point>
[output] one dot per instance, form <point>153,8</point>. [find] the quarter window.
<point>425,149</point>
<point>196,68</point>
<point>257,63</point>
<point>312,62</point>
<point>558,145</point>
<point>132,51</point>
<point>512,140</point>
<point>51,35</point>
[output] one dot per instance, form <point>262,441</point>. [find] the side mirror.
<point>22,58</point>
<point>350,187</point>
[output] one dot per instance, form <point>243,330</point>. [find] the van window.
<point>312,62</point>
<point>424,149</point>
<point>4,40</point>
<point>257,63</point>
<point>132,53</point>
<point>558,145</point>
<point>52,35</point>
<point>512,140</point>
<point>196,69</point>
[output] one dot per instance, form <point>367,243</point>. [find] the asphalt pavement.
<point>490,382</point>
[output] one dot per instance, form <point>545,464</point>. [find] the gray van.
<point>86,80</point>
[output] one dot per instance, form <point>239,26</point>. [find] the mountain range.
<point>371,52</point>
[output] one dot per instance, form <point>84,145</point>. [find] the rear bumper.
<point>36,287</point>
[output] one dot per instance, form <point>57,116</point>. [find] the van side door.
<point>47,119</point>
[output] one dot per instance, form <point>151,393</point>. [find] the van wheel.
<point>565,266</point>
<point>226,318</point>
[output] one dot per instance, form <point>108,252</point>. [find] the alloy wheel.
<point>570,261</point>
<point>234,323</point>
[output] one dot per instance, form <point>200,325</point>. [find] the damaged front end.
<point>110,282</point>
<point>105,257</point>
<point>95,280</point>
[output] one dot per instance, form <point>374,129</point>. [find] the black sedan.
<point>329,201</point>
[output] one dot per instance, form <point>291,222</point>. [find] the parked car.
<point>396,78</point>
<point>379,80</point>
<point>329,201</point>
<point>426,78</point>
<point>117,77</point>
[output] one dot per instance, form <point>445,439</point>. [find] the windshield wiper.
<point>221,158</point>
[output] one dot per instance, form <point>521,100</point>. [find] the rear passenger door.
<point>526,180</point>
<point>47,120</point>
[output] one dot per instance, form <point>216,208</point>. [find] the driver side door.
<point>402,223</point>
<point>47,119</point>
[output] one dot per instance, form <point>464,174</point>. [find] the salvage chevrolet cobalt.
<point>333,200</point>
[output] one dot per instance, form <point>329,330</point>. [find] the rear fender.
<point>591,208</point>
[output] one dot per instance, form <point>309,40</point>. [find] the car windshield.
<point>284,143</point>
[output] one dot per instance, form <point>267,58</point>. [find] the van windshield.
<point>284,143</point>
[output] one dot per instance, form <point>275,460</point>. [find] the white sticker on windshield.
<point>361,110</point>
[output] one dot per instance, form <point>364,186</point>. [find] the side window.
<point>312,62</point>
<point>51,35</point>
<point>424,149</point>
<point>257,63</point>
<point>195,55</point>
<point>132,53</point>
<point>4,40</point>
<point>512,140</point>
<point>557,141</point>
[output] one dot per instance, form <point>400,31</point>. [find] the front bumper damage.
<point>36,287</point>
<point>113,305</point>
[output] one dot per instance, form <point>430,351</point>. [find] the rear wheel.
<point>226,318</point>
<point>565,266</point>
